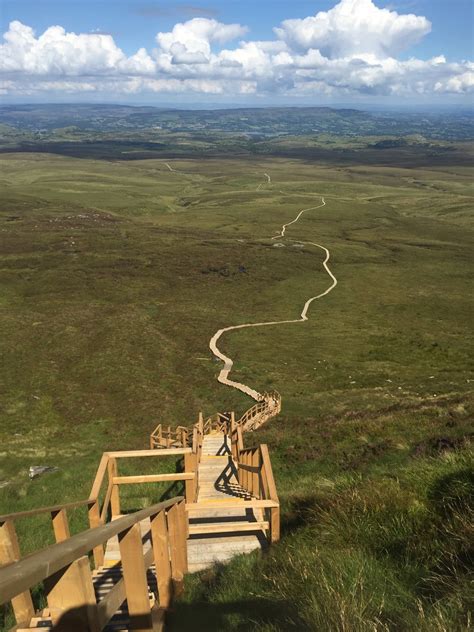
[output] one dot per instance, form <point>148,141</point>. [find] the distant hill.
<point>253,122</point>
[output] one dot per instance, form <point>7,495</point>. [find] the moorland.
<point>118,268</point>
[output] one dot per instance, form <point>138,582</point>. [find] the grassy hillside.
<point>115,276</point>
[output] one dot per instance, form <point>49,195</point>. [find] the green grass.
<point>116,275</point>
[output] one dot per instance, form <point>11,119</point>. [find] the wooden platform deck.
<point>216,534</point>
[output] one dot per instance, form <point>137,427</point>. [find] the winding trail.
<point>223,376</point>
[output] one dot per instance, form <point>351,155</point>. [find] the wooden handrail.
<point>26,573</point>
<point>267,466</point>
<point>47,510</point>
<point>99,477</point>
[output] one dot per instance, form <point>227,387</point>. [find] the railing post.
<point>183,533</point>
<point>71,598</point>
<point>177,548</point>
<point>274,524</point>
<point>95,521</point>
<point>190,485</point>
<point>160,542</point>
<point>256,475</point>
<point>233,437</point>
<point>134,575</point>
<point>60,525</point>
<point>115,496</point>
<point>22,604</point>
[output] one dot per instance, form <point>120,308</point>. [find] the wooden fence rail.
<point>64,568</point>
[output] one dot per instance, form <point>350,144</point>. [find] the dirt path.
<point>223,376</point>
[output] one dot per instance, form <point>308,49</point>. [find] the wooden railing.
<point>259,413</point>
<point>255,475</point>
<point>103,504</point>
<point>64,567</point>
<point>68,580</point>
<point>167,437</point>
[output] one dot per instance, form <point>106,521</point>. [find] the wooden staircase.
<point>230,507</point>
<point>219,533</point>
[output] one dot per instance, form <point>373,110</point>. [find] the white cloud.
<point>192,39</point>
<point>354,28</point>
<point>56,52</point>
<point>349,50</point>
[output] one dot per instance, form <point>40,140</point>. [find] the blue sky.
<point>190,65</point>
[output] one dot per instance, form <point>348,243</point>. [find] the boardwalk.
<point>212,537</point>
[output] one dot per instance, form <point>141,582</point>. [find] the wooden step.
<point>227,527</point>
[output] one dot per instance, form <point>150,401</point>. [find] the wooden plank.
<point>99,477</point>
<point>159,538</point>
<point>153,478</point>
<point>105,506</point>
<point>176,557</point>
<point>108,606</point>
<point>255,460</point>
<point>190,485</point>
<point>22,575</point>
<point>250,468</point>
<point>40,510</point>
<point>115,494</point>
<point>134,575</point>
<point>240,439</point>
<point>95,521</point>
<point>126,454</point>
<point>268,471</point>
<point>60,525</point>
<point>275,524</point>
<point>264,482</point>
<point>228,527</point>
<point>22,603</point>
<point>183,529</point>
<point>275,511</point>
<point>71,598</point>
<point>203,506</point>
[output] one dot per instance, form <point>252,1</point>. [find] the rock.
<point>278,245</point>
<point>37,470</point>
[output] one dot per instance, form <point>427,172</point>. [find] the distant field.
<point>115,275</point>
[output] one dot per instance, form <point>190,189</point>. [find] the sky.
<point>259,52</point>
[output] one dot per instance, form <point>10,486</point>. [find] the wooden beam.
<point>183,527</point>
<point>71,598</point>
<point>127,454</point>
<point>40,510</point>
<point>99,477</point>
<point>95,521</point>
<point>176,556</point>
<point>60,525</point>
<point>108,606</point>
<point>256,473</point>
<point>228,527</point>
<point>190,485</point>
<point>22,575</point>
<point>203,506</point>
<point>22,603</point>
<point>105,506</point>
<point>115,494</point>
<point>153,478</point>
<point>160,541</point>
<point>272,490</point>
<point>134,575</point>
